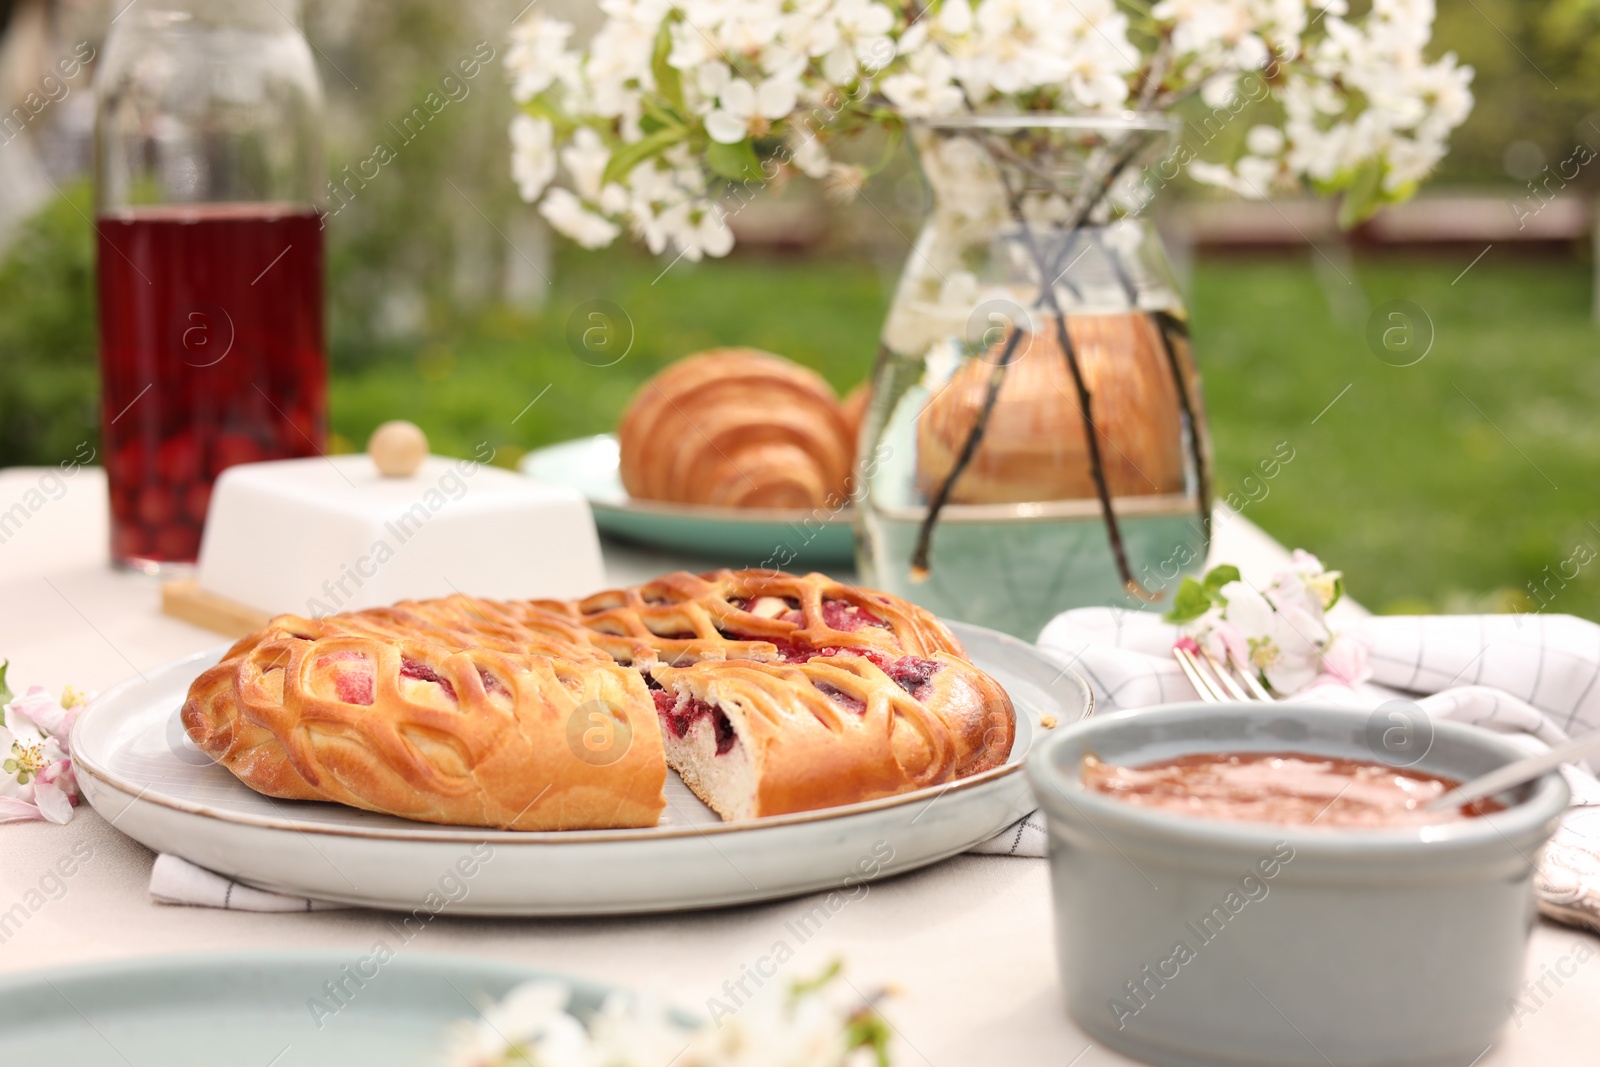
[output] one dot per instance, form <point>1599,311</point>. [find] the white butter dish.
<point>326,534</point>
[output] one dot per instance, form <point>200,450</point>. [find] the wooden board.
<point>184,599</point>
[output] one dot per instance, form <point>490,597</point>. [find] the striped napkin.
<point>1534,675</point>
<point>177,881</point>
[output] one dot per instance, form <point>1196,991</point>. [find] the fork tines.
<point>1216,681</point>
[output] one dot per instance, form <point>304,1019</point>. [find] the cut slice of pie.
<point>780,693</point>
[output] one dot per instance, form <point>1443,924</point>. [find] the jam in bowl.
<point>1254,884</point>
<point>1287,788</point>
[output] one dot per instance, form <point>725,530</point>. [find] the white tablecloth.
<point>968,942</point>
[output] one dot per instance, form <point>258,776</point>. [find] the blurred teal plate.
<point>739,536</point>
<point>254,1008</point>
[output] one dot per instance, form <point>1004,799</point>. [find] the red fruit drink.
<point>211,354</point>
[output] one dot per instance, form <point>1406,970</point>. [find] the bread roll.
<point>1034,446</point>
<point>736,427</point>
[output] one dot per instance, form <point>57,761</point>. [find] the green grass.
<point>479,389</point>
<point>1446,485</point>
<point>1426,501</point>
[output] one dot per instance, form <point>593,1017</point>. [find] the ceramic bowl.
<point>1193,942</point>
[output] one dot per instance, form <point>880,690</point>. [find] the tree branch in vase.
<point>969,448</point>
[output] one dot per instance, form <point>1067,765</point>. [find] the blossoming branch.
<point>645,127</point>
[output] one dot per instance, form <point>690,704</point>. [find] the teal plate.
<point>257,1008</point>
<point>733,536</point>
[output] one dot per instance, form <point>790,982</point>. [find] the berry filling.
<point>908,672</point>
<point>768,607</point>
<point>351,684</point>
<point>911,673</point>
<point>491,684</point>
<point>845,700</point>
<point>410,668</point>
<point>680,717</point>
<point>795,652</point>
<point>353,687</point>
<point>840,615</point>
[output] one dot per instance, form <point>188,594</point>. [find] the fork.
<point>1215,681</point>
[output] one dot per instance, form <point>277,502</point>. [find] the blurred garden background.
<point>1459,483</point>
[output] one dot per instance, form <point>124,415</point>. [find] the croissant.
<point>1033,447</point>
<point>736,427</point>
<point>768,693</point>
<point>854,407</point>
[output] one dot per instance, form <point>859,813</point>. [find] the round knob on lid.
<point>398,448</point>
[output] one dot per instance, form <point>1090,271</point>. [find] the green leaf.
<point>1363,196</point>
<point>628,156</point>
<point>735,162</point>
<point>1219,576</point>
<point>5,690</point>
<point>803,986</point>
<point>669,80</point>
<point>657,115</point>
<point>1191,602</point>
<point>1338,591</point>
<point>870,1030</point>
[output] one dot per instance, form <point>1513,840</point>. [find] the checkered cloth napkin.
<point>1533,675</point>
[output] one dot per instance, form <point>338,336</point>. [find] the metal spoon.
<point>1513,774</point>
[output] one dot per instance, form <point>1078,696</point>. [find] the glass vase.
<point>1036,438</point>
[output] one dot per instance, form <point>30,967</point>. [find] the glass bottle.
<point>208,178</point>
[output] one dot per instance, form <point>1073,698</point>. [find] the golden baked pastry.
<point>781,693</point>
<point>1033,447</point>
<point>854,406</point>
<point>736,427</point>
<point>768,692</point>
<point>450,711</point>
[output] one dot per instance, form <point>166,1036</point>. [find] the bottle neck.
<point>207,101</point>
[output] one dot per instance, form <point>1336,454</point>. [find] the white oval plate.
<point>139,770</point>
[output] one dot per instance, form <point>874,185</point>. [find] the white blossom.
<point>926,89</point>
<point>783,1025</point>
<point>568,215</point>
<point>698,229</point>
<point>533,157</point>
<point>538,56</point>
<point>743,108</point>
<point>585,159</point>
<point>37,779</point>
<point>1355,98</point>
<point>1280,632</point>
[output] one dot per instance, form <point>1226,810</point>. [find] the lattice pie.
<point>768,693</point>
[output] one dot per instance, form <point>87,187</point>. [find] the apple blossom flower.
<point>787,1024</point>
<point>698,228</point>
<point>1362,106</point>
<point>537,55</point>
<point>585,160</point>
<point>564,211</point>
<point>744,109</point>
<point>533,159</point>
<point>36,775</point>
<point>1279,632</point>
